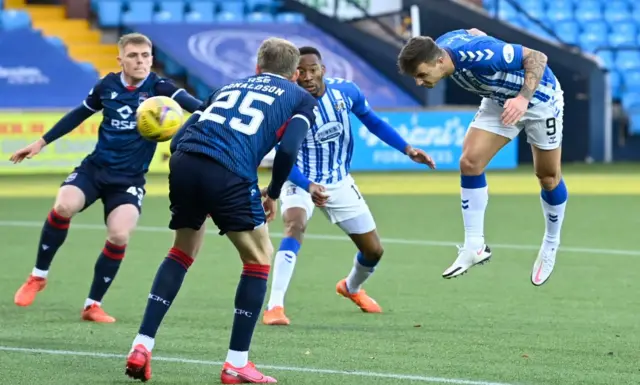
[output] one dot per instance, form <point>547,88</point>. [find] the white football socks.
<point>283,266</point>
<point>474,205</point>
<point>237,359</point>
<point>143,340</point>
<point>358,275</point>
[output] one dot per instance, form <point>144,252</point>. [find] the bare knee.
<point>548,181</point>
<point>470,165</point>
<point>261,256</point>
<point>118,236</point>
<point>189,241</point>
<point>295,228</point>
<point>374,253</point>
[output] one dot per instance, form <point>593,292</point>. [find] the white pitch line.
<point>433,380</point>
<point>327,237</point>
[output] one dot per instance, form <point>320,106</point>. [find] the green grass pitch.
<point>490,326</point>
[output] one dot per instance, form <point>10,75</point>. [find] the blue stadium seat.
<point>608,58</point>
<point>631,80</point>
<point>260,5</point>
<point>596,27</point>
<point>232,7</point>
<point>557,13</point>
<point>140,11</point>
<point>259,17</point>
<point>622,39</point>
<point>198,18</point>
<point>634,122</point>
<point>170,12</point>
<point>230,17</point>
<point>615,11</point>
<point>290,17</point>
<point>631,101</point>
<point>57,42</point>
<point>109,12</point>
<point>627,60</point>
<point>588,11</point>
<point>628,27</point>
<point>539,31</point>
<point>569,31</point>
<point>202,7</point>
<point>635,15</point>
<point>12,19</point>
<point>590,41</point>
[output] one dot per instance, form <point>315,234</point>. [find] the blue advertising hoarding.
<point>35,74</point>
<point>439,133</point>
<point>220,54</point>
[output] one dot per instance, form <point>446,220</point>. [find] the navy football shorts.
<point>113,188</point>
<point>200,186</point>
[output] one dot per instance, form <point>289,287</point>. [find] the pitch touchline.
<point>436,380</point>
<point>327,237</point>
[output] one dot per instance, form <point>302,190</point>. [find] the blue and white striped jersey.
<point>492,68</point>
<point>325,154</point>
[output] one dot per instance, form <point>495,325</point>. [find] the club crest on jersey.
<point>340,106</point>
<point>142,96</point>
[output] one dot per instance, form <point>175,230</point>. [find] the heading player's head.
<point>311,71</point>
<point>279,57</point>
<point>422,59</point>
<point>134,56</point>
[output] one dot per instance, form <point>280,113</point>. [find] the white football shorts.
<point>345,207</point>
<point>542,123</point>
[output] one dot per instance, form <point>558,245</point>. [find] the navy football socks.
<point>249,299</point>
<point>53,234</point>
<point>165,287</point>
<point>106,269</point>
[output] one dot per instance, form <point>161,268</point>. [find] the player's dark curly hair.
<point>310,51</point>
<point>418,50</point>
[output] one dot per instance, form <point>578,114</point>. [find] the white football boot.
<point>467,259</point>
<point>543,266</point>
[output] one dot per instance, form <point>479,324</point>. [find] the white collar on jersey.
<point>270,74</point>
<point>124,82</point>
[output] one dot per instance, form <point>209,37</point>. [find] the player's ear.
<point>119,61</point>
<point>258,70</point>
<point>324,70</point>
<point>295,76</point>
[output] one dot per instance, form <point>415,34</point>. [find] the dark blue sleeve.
<point>185,100</point>
<point>287,153</point>
<point>193,119</point>
<point>93,101</point>
<point>383,130</point>
<point>68,123</point>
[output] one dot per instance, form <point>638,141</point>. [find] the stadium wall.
<point>582,80</point>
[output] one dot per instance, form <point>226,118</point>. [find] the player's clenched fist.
<point>318,194</point>
<point>28,152</point>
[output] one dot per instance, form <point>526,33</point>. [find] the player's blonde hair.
<point>135,39</point>
<point>278,56</point>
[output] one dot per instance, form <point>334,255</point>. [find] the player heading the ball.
<point>519,92</point>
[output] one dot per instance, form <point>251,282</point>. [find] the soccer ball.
<point>159,118</point>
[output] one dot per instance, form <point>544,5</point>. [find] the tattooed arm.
<point>534,63</point>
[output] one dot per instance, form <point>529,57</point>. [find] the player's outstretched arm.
<point>287,153</point>
<point>65,125</point>
<point>390,136</point>
<point>180,95</point>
